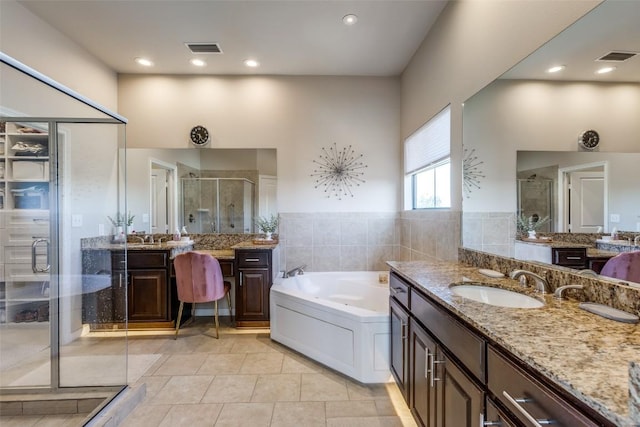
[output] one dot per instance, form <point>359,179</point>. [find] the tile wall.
<point>492,232</point>
<point>356,241</point>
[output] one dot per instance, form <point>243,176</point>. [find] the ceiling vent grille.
<point>617,56</point>
<point>204,47</point>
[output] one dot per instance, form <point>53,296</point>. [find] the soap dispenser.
<point>176,235</point>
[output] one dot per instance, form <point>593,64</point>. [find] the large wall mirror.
<point>521,133</point>
<point>203,190</point>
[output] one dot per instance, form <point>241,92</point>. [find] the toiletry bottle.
<point>176,235</point>
<point>184,232</point>
<point>614,234</point>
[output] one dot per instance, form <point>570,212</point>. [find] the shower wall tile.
<point>326,258</point>
<point>492,232</point>
<point>353,258</point>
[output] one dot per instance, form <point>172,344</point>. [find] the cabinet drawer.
<point>146,259</point>
<point>399,290</point>
<point>24,236</point>
<point>21,219</point>
<point>23,254</point>
<point>510,385</point>
<point>252,259</point>
<point>466,345</point>
<point>23,273</point>
<point>570,256</point>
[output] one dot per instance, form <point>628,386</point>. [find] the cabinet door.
<point>252,294</point>
<point>460,401</point>
<point>399,346</point>
<point>422,383</point>
<point>147,292</point>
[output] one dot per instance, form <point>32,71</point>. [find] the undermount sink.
<point>495,296</point>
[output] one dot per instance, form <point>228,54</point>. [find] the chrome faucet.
<point>636,240</point>
<point>139,238</point>
<point>558,293</point>
<point>587,272</point>
<point>541,283</point>
<point>294,271</point>
<point>150,238</point>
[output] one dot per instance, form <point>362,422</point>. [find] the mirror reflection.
<point>524,128</point>
<point>202,190</point>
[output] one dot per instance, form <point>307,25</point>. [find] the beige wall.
<point>295,115</point>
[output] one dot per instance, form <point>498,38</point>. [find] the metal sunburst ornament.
<point>338,171</point>
<point>471,172</point>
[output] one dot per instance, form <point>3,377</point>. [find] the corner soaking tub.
<point>340,319</point>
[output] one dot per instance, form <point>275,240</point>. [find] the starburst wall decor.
<point>471,172</point>
<point>338,171</point>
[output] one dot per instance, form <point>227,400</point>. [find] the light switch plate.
<point>76,220</point>
<point>614,218</point>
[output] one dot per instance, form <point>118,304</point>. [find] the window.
<point>428,164</point>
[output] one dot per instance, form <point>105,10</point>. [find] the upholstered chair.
<point>199,279</point>
<point>624,266</point>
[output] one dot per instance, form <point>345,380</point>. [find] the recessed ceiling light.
<point>605,70</point>
<point>556,69</point>
<point>198,62</point>
<point>350,19</point>
<point>144,62</point>
<point>251,63</point>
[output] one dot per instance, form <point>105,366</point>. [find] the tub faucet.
<point>541,283</point>
<point>294,271</point>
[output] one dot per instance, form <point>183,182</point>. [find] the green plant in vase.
<point>268,225</point>
<point>527,226</point>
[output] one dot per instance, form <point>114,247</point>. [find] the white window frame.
<point>427,148</point>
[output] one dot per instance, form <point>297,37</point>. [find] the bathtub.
<point>340,319</point>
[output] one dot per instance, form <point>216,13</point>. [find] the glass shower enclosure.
<point>218,205</point>
<point>61,174</point>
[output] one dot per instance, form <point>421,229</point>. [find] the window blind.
<point>429,144</point>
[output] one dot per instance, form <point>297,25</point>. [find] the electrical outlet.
<point>615,218</point>
<point>76,220</point>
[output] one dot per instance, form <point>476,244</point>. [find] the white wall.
<point>35,43</point>
<point>295,115</point>
<point>471,44</point>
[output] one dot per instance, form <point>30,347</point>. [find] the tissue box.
<point>25,169</point>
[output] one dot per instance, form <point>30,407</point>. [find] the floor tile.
<point>262,363</point>
<point>277,388</point>
<point>318,387</point>
<point>297,414</point>
<point>153,384</point>
<point>350,408</point>
<point>181,364</point>
<point>146,416</point>
<point>293,366</point>
<point>222,364</point>
<point>245,415</point>
<point>183,389</point>
<point>230,388</point>
<point>367,391</point>
<point>192,415</point>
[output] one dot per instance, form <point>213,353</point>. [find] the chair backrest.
<point>624,266</point>
<point>198,277</point>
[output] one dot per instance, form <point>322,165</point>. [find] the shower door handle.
<point>34,256</point>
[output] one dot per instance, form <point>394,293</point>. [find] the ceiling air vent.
<point>617,56</point>
<point>204,47</point>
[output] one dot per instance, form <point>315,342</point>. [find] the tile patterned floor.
<point>245,379</point>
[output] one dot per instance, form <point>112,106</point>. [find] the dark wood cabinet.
<point>453,376</point>
<point>596,263</point>
<point>147,295</point>
<point>253,283</point>
<point>569,257</point>
<point>399,346</point>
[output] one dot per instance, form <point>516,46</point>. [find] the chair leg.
<point>229,303</point>
<point>178,319</point>
<point>216,320</point>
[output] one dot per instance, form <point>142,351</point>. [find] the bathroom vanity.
<point>465,363</point>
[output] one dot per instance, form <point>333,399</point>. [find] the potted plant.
<point>120,221</point>
<point>268,225</point>
<point>528,225</point>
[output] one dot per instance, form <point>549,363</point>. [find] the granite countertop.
<point>218,253</point>
<point>553,243</point>
<point>586,355</point>
<point>249,244</point>
<point>600,253</point>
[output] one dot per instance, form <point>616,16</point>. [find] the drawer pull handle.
<point>492,423</point>
<point>574,257</point>
<point>403,330</point>
<point>432,368</point>
<point>516,403</point>
<point>40,220</point>
<point>251,259</point>
<point>398,290</point>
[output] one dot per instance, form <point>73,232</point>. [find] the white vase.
<point>532,234</point>
<point>268,235</point>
